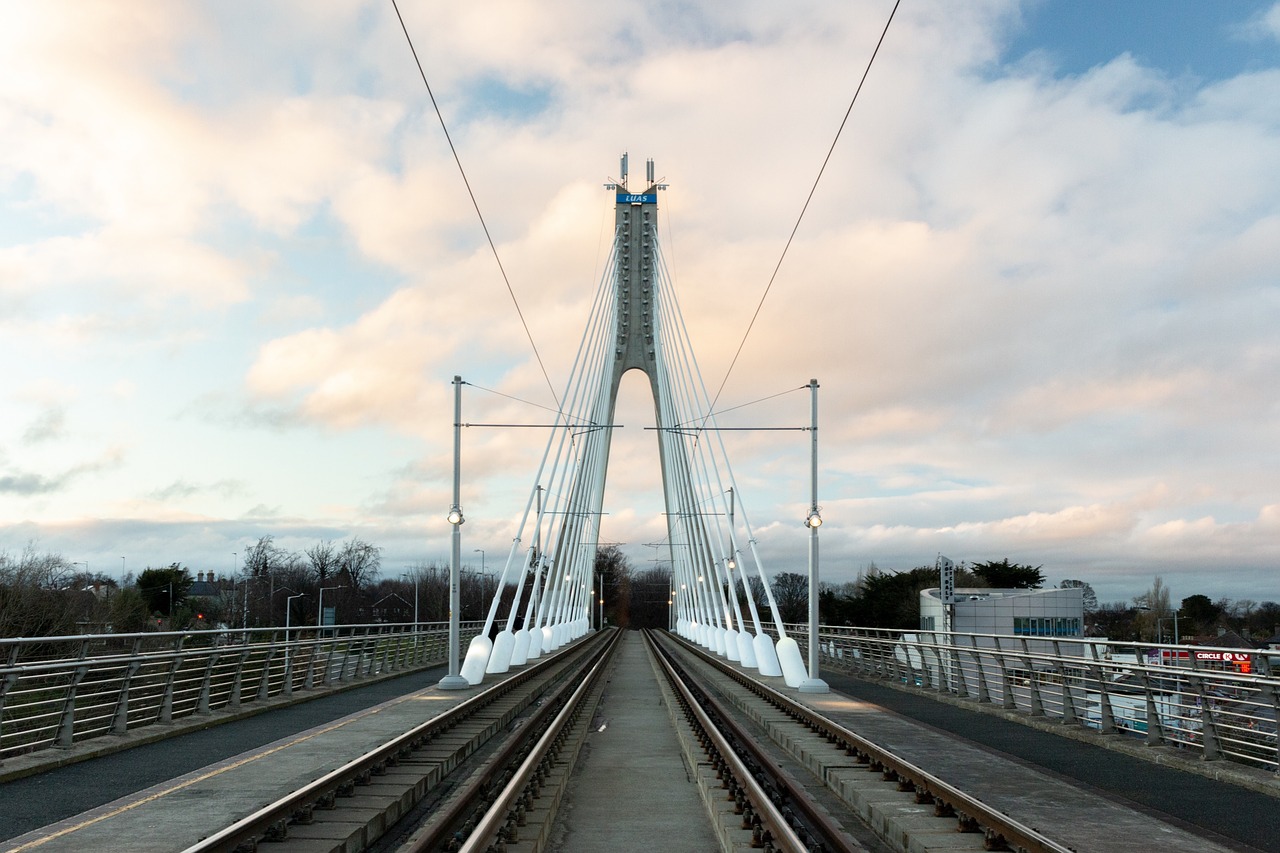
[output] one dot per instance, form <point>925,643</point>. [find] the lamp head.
<point>455,516</point>
<point>813,520</point>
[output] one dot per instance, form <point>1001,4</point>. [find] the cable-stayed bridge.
<point>636,324</point>
<point>713,735</point>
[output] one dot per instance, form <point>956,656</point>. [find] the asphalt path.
<point>1227,813</point>
<point>34,801</point>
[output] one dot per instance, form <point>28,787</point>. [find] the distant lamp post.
<point>813,684</point>
<point>288,624</point>
<point>415,601</point>
<point>484,573</point>
<point>320,617</point>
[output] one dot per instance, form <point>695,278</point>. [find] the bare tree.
<point>33,595</point>
<point>359,563</point>
<point>1155,604</point>
<point>791,592</point>
<point>260,557</point>
<point>323,557</point>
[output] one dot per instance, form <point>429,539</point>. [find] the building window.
<point>1046,626</point>
<point>926,623</point>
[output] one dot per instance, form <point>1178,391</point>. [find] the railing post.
<point>286,684</point>
<point>346,655</point>
<point>1106,715</point>
<point>67,723</point>
<point>1269,691</point>
<point>264,685</point>
<point>368,651</point>
<point>10,679</point>
<point>984,695</point>
<point>1033,683</point>
<point>237,681</point>
<point>309,678</point>
<point>166,702</point>
<point>1068,701</point>
<point>1007,700</point>
<point>202,705</point>
<point>120,717</point>
<point>1155,731</point>
<point>1208,724</point>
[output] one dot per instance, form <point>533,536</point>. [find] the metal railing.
<point>1222,703</point>
<point>60,691</point>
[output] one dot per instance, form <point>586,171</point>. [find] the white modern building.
<point>1020,612</point>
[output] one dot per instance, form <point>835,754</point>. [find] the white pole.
<point>454,681</point>
<point>813,684</point>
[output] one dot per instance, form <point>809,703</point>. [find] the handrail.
<point>1189,697</point>
<point>964,805</point>
<point>58,702</point>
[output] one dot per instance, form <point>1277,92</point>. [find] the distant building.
<point>205,588</point>
<point>1020,612</point>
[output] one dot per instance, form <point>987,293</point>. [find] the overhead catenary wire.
<point>795,228</point>
<point>476,204</point>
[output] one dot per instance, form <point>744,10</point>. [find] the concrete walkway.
<point>631,777</point>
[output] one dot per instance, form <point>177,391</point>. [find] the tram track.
<point>822,745</point>
<point>450,765</point>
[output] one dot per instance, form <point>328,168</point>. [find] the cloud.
<point>48,426</point>
<point>30,483</point>
<point>1041,307</point>
<point>181,489</point>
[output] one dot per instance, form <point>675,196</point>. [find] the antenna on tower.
<point>648,170</point>
<point>624,169</point>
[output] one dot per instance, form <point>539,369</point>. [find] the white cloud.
<point>1042,309</point>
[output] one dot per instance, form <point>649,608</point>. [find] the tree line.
<point>42,594</point>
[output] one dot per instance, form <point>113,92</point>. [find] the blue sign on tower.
<point>637,198</point>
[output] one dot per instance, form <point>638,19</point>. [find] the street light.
<point>320,617</point>
<point>454,681</point>
<point>288,614</point>
<point>813,684</point>
<point>483,571</point>
<point>415,603</point>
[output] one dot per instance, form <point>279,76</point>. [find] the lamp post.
<point>320,616</point>
<point>415,608</point>
<point>288,614</point>
<point>454,681</point>
<point>484,573</point>
<point>813,684</point>
<point>1160,628</point>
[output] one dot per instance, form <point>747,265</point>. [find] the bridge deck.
<point>631,773</point>
<point>987,756</point>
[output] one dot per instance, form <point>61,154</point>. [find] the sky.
<point>1038,281</point>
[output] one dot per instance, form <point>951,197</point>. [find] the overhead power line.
<point>476,205</point>
<point>800,218</point>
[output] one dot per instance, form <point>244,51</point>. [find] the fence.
<point>59,691</point>
<point>1219,702</point>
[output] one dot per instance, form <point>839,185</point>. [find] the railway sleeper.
<point>360,810</point>
<point>882,799</point>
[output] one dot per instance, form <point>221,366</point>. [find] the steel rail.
<point>833,835</point>
<point>771,818</point>
<point>499,814</point>
<point>968,809</point>
<point>269,818</point>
